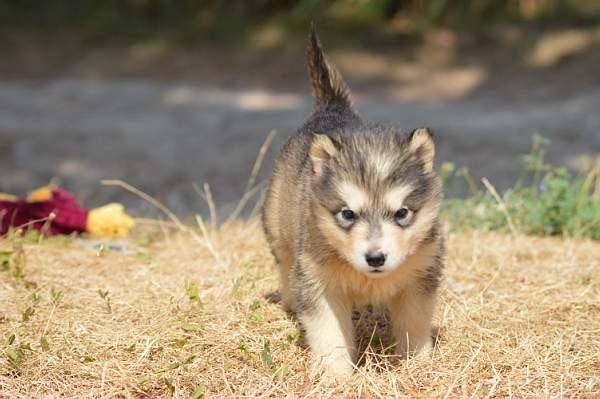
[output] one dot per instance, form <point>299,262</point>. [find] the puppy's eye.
<point>346,217</point>
<point>403,216</point>
<point>347,214</point>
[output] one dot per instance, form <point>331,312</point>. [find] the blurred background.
<point>168,94</point>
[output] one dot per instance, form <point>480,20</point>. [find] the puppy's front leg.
<point>412,311</point>
<point>328,324</point>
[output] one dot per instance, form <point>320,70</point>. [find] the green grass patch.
<point>546,200</point>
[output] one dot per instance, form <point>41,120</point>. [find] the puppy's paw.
<point>332,368</point>
<point>421,349</point>
<point>425,350</point>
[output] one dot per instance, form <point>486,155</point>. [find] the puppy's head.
<point>376,195</point>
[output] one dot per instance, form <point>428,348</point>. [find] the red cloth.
<point>69,216</point>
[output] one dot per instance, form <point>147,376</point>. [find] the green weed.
<point>192,292</point>
<point>546,200</point>
<point>198,393</point>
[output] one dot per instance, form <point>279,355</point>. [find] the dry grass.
<point>518,316</point>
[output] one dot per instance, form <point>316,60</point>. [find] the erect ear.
<point>322,151</point>
<point>422,145</point>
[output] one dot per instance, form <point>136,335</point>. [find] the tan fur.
<point>422,140</point>
<point>329,332</point>
<point>321,152</point>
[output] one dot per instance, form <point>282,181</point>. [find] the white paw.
<point>425,350</point>
<point>333,367</point>
<point>421,349</point>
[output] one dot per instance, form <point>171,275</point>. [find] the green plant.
<point>552,202</point>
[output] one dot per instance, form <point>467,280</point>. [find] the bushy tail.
<point>329,87</point>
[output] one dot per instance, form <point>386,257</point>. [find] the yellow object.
<point>8,197</point>
<point>41,194</point>
<point>109,221</point>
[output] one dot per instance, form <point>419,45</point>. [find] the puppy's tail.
<point>329,88</point>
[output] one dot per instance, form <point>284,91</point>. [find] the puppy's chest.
<point>363,290</point>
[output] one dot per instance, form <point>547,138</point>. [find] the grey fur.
<point>329,89</point>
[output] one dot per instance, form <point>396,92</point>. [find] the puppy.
<point>351,216</point>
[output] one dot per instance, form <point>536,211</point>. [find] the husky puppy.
<point>351,215</point>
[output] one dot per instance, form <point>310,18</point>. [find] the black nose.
<point>375,259</point>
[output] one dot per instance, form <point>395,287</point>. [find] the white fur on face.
<point>381,234</point>
<point>395,197</point>
<point>390,239</point>
<point>387,242</point>
<point>355,197</point>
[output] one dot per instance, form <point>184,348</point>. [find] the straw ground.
<point>170,317</point>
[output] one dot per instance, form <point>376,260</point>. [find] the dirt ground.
<point>163,118</point>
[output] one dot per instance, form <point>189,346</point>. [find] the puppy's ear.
<point>421,143</point>
<point>322,151</point>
